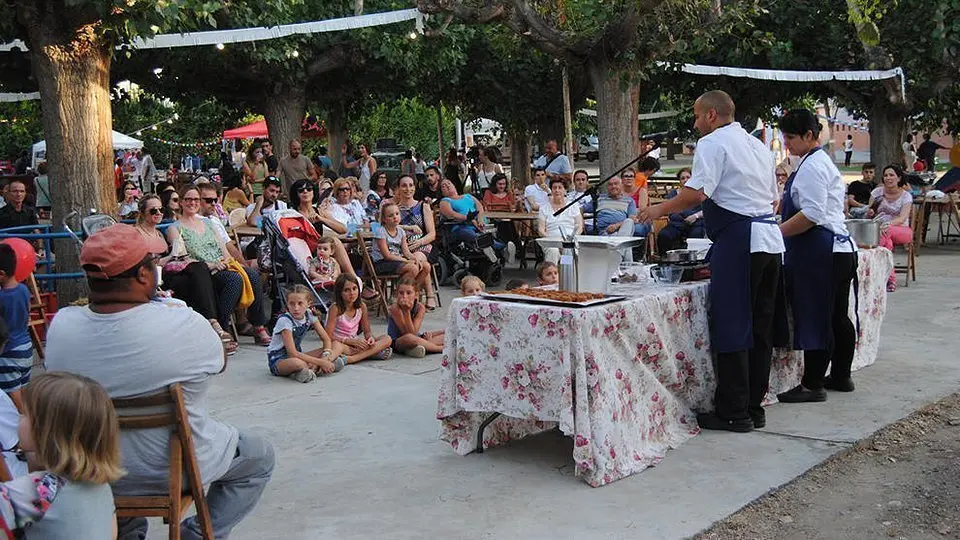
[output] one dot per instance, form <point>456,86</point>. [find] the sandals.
<point>229,345</point>
<point>261,337</point>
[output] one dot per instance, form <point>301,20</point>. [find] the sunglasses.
<point>344,189</point>
<point>174,199</point>
<point>210,200</point>
<point>305,189</point>
<point>154,211</point>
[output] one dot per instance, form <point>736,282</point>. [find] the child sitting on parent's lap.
<point>348,317</point>
<point>285,355</point>
<point>403,326</point>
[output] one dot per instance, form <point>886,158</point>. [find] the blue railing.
<point>46,272</point>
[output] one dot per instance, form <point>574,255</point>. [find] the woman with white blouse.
<point>569,223</point>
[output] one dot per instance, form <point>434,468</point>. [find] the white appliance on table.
<point>598,258</point>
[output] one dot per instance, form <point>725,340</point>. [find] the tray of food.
<point>552,298</point>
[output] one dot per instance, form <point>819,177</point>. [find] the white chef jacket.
<point>819,193</point>
<point>735,170</point>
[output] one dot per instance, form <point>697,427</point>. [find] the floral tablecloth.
<point>622,379</point>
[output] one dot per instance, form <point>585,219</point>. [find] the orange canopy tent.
<point>311,129</point>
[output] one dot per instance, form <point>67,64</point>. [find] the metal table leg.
<point>483,428</point>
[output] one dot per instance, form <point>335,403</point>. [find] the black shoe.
<point>759,419</point>
<point>839,385</point>
<point>712,421</point>
<point>799,394</point>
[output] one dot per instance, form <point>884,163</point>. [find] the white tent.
<point>120,142</point>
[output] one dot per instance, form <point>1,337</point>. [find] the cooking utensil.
<point>865,232</point>
<point>682,256</point>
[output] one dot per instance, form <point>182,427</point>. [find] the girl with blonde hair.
<point>70,433</point>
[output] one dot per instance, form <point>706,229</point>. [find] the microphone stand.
<point>593,191</point>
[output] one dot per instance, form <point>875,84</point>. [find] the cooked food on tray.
<point>559,296</point>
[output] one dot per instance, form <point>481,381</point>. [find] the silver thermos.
<point>568,266</point>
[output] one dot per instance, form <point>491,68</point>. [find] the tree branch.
<point>331,59</point>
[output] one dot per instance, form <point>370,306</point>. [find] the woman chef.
<point>819,264</point>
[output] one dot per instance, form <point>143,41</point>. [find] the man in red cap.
<point>135,347</point>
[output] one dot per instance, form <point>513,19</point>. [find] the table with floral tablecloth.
<point>622,379</point>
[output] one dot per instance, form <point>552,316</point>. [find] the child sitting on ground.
<point>516,284</point>
<point>348,317</point>
<point>324,269</point>
<point>548,274</point>
<point>69,429</point>
<point>403,324</point>
<point>16,358</point>
<point>285,356</point>
<point>471,286</point>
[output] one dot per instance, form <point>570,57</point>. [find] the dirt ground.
<point>904,483</point>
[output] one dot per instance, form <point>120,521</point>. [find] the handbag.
<point>180,260</point>
<point>176,266</point>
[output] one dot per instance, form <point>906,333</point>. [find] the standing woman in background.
<point>820,262</point>
<point>255,170</point>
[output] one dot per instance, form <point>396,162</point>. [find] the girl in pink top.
<point>348,316</point>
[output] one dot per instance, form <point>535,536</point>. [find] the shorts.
<point>274,358</point>
<point>385,267</point>
<point>15,367</point>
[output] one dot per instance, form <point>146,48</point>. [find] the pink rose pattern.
<point>623,379</point>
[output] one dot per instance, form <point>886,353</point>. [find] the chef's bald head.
<point>719,101</point>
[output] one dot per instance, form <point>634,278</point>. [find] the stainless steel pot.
<point>865,232</point>
<point>682,256</point>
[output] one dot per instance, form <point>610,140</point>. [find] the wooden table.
<point>924,207</point>
<point>246,230</point>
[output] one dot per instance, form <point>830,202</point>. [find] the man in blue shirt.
<point>615,215</point>
<point>556,164</point>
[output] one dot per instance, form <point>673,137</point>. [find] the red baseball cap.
<point>116,249</point>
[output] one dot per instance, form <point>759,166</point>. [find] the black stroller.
<point>457,258</point>
<point>287,265</point>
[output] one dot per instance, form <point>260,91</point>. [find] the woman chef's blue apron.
<point>731,310</point>
<point>808,276</point>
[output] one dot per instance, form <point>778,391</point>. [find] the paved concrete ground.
<point>358,454</point>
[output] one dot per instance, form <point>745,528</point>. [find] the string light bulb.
<point>220,46</point>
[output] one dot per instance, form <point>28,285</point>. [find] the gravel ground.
<point>904,482</point>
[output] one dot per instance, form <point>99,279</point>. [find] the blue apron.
<point>731,311</point>
<point>808,276</point>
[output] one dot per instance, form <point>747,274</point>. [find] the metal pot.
<point>865,232</point>
<point>682,256</point>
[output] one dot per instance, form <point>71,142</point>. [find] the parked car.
<point>388,159</point>
<point>589,148</point>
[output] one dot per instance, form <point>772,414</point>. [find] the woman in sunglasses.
<point>303,193</point>
<point>188,278</point>
<point>170,200</point>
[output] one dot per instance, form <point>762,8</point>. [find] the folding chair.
<point>381,283</point>
<point>38,315</point>
<point>172,506</point>
<point>910,268</point>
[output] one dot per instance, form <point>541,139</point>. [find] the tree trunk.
<point>73,73</point>
<point>887,126</point>
<point>284,110</point>
<point>520,157</point>
<point>441,151</point>
<point>617,106</point>
<point>336,133</point>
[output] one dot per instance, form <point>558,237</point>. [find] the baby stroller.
<point>289,242</point>
<point>457,258</point>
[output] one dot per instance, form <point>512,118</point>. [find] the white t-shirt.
<point>178,346</point>
<point>539,195</point>
<point>559,165</point>
<point>735,170</point>
<point>219,228</point>
<point>285,323</point>
<point>565,222</point>
<point>819,192</point>
<point>346,214</point>
<point>848,145</point>
<point>277,206</point>
<point>9,437</point>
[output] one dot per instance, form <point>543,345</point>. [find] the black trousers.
<point>843,336</point>
<point>194,286</point>
<point>743,376</point>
